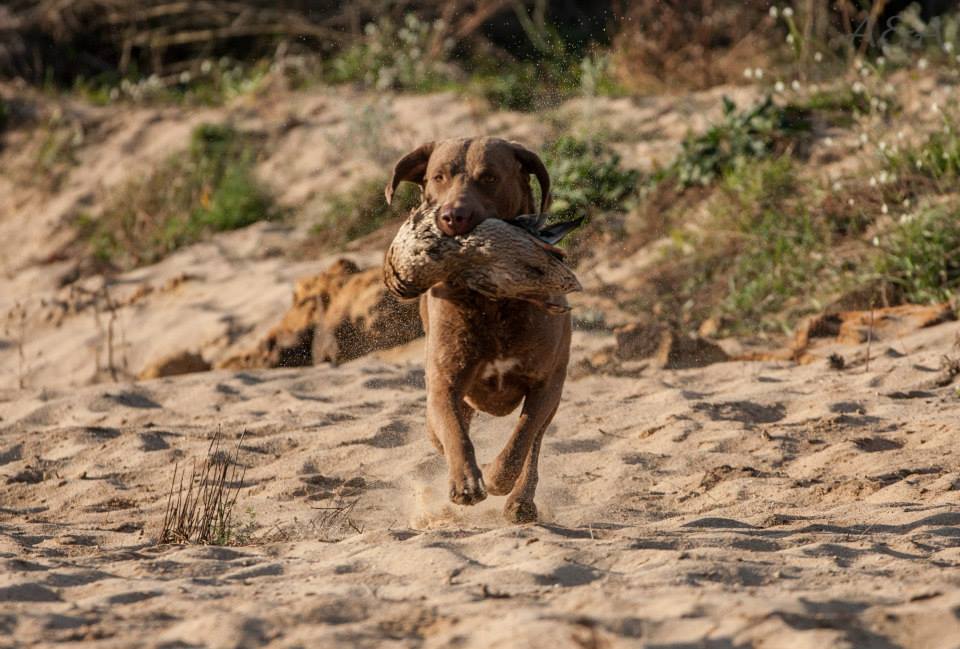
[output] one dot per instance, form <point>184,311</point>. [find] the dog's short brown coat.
<point>483,354</point>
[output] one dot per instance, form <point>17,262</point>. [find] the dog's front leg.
<point>448,419</point>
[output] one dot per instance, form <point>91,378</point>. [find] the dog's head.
<point>473,179</point>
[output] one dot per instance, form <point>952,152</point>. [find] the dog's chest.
<point>497,369</point>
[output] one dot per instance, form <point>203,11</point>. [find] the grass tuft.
<point>209,188</point>
<point>200,509</point>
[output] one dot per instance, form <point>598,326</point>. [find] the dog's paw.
<point>466,486</point>
<point>499,480</point>
<point>520,511</point>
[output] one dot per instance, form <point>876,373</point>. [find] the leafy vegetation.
<point>921,256</point>
<point>587,177</point>
<point>411,56</point>
<point>759,132</point>
<point>209,188</point>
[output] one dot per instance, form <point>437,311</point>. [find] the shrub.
<point>209,188</point>
<point>760,132</point>
<point>411,56</point>
<point>587,176</point>
<point>921,256</point>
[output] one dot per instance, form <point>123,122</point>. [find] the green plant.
<point>937,158</point>
<point>921,256</point>
<point>587,176</point>
<point>760,132</point>
<point>209,188</point>
<point>780,245</point>
<point>411,56</point>
<point>361,210</point>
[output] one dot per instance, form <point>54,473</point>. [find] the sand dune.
<point>744,504</point>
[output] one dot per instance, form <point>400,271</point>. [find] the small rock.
<point>638,340</point>
<point>184,362</point>
<point>677,352</point>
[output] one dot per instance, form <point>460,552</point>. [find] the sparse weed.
<point>361,210</point>
<point>209,188</point>
<point>780,244</point>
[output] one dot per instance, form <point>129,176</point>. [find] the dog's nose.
<point>454,220</point>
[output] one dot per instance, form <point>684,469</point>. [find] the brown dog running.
<point>484,354</point>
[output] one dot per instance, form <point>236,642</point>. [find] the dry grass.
<point>200,509</point>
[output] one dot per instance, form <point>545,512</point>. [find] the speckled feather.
<point>497,259</point>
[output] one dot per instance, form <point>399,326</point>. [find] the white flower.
<point>837,185</point>
<point>906,203</point>
<point>863,138</point>
<point>884,178</point>
<point>787,12</point>
<point>858,88</point>
<point>876,242</point>
<point>828,141</point>
<point>922,64</point>
<point>881,61</point>
<point>850,202</point>
<point>883,106</point>
<point>901,134</point>
<point>773,11</point>
<point>884,209</point>
<point>814,87</point>
<point>864,72</point>
<point>889,89</point>
<point>795,85</point>
<point>948,47</point>
<point>857,63</point>
<point>873,181</point>
<point>778,86</point>
<point>748,73</point>
<point>934,107</point>
<point>817,56</point>
<point>185,77</point>
<point>758,73</point>
<point>919,164</point>
<point>882,145</point>
<point>790,39</point>
<point>206,66</point>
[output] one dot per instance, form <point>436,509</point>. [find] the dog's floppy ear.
<point>531,163</point>
<point>410,167</point>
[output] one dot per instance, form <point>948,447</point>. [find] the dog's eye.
<point>438,178</point>
<point>488,179</point>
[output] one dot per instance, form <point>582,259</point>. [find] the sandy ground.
<point>741,505</point>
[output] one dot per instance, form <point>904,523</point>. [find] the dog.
<point>482,354</point>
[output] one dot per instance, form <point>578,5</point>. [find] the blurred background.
<point>744,164</point>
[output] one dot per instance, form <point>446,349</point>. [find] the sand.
<point>739,505</point>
